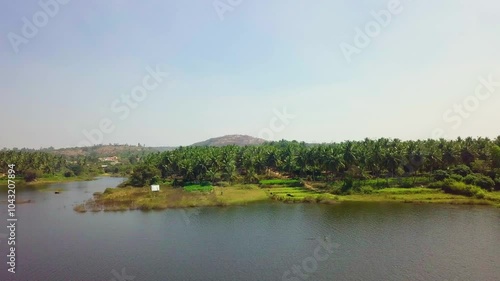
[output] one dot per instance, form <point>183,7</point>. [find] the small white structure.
<point>155,187</point>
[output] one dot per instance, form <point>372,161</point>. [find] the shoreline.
<point>55,179</point>
<point>133,198</point>
<point>42,181</point>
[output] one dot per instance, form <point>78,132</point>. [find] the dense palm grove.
<point>472,161</point>
<point>70,162</point>
<point>32,164</point>
<point>26,160</point>
<point>347,161</point>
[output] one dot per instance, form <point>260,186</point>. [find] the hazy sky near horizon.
<point>229,75</point>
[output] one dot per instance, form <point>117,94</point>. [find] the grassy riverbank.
<point>423,195</point>
<point>132,198</point>
<point>405,195</point>
<point>47,179</point>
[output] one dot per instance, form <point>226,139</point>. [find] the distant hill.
<point>162,148</point>
<point>124,150</point>
<point>239,140</point>
<point>106,150</point>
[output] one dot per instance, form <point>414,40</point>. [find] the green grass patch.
<point>198,188</point>
<point>399,190</point>
<point>493,197</point>
<point>393,182</point>
<point>244,186</point>
<point>237,195</point>
<point>298,194</point>
<point>289,182</point>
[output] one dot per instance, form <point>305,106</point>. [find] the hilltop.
<point>125,150</point>
<point>106,150</point>
<point>239,140</point>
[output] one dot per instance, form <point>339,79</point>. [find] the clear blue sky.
<point>227,76</point>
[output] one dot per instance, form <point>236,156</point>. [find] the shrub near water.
<point>459,188</point>
<point>440,175</point>
<point>30,175</point>
<point>480,180</point>
<point>456,177</point>
<point>462,170</point>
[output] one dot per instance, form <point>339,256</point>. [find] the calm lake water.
<point>265,241</point>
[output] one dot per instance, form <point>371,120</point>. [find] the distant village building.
<point>113,160</point>
<point>155,187</point>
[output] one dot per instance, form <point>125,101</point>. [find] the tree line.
<point>344,161</point>
<point>31,165</point>
<point>472,160</point>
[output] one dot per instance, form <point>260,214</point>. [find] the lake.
<point>264,241</point>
